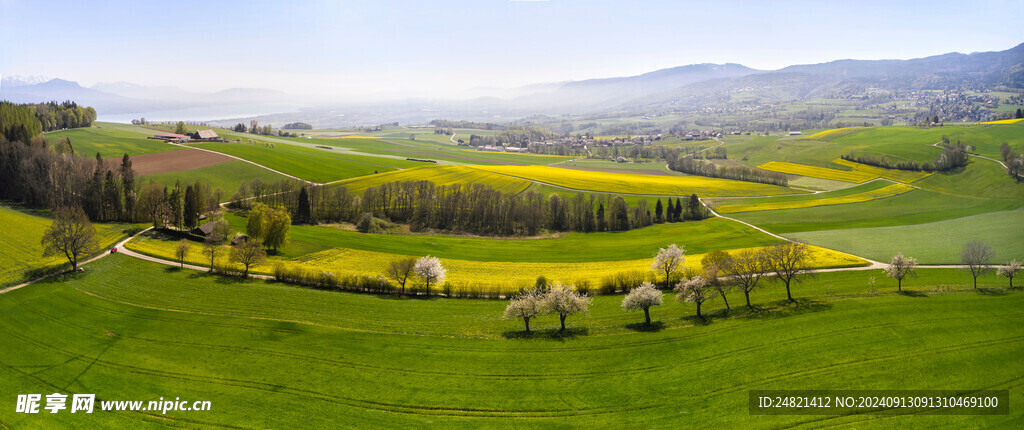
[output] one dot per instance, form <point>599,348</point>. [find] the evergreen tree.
<point>112,202</point>
<point>94,202</point>
<point>302,215</point>
<point>601,224</point>
<point>191,210</point>
<point>679,210</point>
<point>128,184</point>
<point>658,211</point>
<point>670,214</point>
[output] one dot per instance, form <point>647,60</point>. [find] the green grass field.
<point>698,237</point>
<point>936,243</point>
<point>914,207</point>
<point>21,256</point>
<point>271,356</point>
<point>226,176</point>
<point>112,140</point>
<point>315,165</point>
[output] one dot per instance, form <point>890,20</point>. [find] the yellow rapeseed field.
<point>881,193</point>
<point>637,184</point>
<point>493,276</point>
<point>1004,121</point>
<point>817,172</point>
<point>834,133</point>
<point>878,172</point>
<point>859,173</point>
<point>441,175</point>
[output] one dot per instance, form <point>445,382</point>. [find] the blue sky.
<point>434,48</point>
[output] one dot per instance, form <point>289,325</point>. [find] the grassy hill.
<point>270,356</point>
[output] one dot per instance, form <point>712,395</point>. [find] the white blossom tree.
<point>668,260</point>
<point>564,300</point>
<point>526,305</point>
<point>696,290</point>
<point>642,297</point>
<point>1009,270</point>
<point>430,270</point>
<point>900,267</point>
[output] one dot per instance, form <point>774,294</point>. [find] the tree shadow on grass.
<point>548,334</point>
<point>228,279</point>
<point>992,291</point>
<point>653,327</point>
<point>911,293</point>
<point>785,308</point>
<point>693,319</point>
<point>172,269</point>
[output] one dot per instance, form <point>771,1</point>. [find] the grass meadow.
<point>270,356</point>
<point>112,140</point>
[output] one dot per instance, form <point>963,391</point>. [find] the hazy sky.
<point>431,48</point>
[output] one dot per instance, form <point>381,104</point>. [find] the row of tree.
<point>693,166</point>
<point>1014,162</point>
<point>952,157</point>
<point>473,208</point>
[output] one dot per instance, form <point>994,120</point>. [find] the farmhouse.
<point>239,238</point>
<point>206,136</point>
<point>795,133</point>
<point>203,230</point>
<point>171,137</point>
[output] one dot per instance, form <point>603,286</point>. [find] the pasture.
<point>931,243</point>
<point>315,165</point>
<point>269,356</point>
<point>112,140</point>
<point>225,176</point>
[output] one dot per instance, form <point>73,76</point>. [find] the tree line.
<point>59,116</point>
<point>741,173</point>
<point>952,157</point>
<point>1014,162</point>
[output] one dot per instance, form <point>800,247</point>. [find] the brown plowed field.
<point>170,161</point>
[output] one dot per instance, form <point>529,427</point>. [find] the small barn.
<point>239,238</point>
<point>203,230</point>
<point>206,135</point>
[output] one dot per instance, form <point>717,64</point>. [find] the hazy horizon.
<point>448,49</point>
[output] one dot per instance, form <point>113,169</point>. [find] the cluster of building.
<point>198,136</point>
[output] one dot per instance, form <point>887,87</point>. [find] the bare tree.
<point>401,270</point>
<point>526,305</point>
<point>248,253</point>
<point>900,267</point>
<point>642,297</point>
<point>430,270</point>
<point>668,260</point>
<point>564,300</point>
<point>1009,271</point>
<point>746,270</point>
<point>976,256</point>
<point>181,251</point>
<point>715,263</point>
<point>70,234</point>
<point>696,290</point>
<point>785,261</point>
